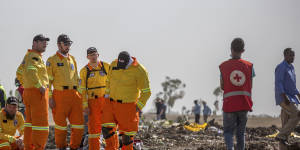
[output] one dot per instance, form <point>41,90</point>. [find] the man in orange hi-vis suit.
<point>65,101</point>
<point>35,94</point>
<point>127,91</point>
<point>93,83</point>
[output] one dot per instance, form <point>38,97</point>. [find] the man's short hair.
<point>237,45</point>
<point>287,51</point>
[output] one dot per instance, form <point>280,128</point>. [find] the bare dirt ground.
<point>169,135</point>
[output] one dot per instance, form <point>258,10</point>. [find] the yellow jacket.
<point>62,71</point>
<point>96,82</point>
<point>129,85</point>
<point>19,72</point>
<point>35,72</point>
<point>8,128</point>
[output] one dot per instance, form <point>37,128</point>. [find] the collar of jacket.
<point>91,68</point>
<point>61,56</point>
<point>34,51</point>
<point>287,64</point>
<point>135,62</point>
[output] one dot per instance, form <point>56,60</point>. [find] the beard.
<point>10,116</point>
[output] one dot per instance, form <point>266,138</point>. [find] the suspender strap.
<point>88,72</point>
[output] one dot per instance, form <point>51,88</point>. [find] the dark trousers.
<point>197,118</point>
<point>235,121</point>
<point>205,118</point>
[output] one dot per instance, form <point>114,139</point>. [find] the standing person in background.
<point>216,105</point>
<point>158,107</point>
<point>19,95</point>
<point>286,94</point>
<point>163,110</point>
<point>206,111</point>
<point>236,81</point>
<point>2,96</point>
<point>196,110</point>
<point>65,101</point>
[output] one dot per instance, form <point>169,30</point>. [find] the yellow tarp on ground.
<point>275,134</point>
<point>195,127</point>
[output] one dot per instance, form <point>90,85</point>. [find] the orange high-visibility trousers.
<point>94,123</point>
<point>5,145</point>
<point>126,116</point>
<point>36,125</point>
<point>68,104</point>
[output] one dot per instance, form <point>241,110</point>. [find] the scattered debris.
<point>167,135</point>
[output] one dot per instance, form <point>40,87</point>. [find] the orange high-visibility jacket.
<point>129,85</point>
<point>62,71</point>
<point>96,83</point>
<point>8,127</point>
<point>35,72</point>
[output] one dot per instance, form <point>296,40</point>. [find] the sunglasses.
<point>68,43</point>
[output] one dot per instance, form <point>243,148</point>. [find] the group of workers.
<point>112,95</point>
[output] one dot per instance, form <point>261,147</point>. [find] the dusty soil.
<point>161,135</point>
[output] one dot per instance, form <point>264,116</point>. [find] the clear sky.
<point>185,39</point>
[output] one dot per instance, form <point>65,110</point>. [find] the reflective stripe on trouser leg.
<point>92,136</point>
<point>58,127</point>
<point>109,125</point>
<point>40,128</point>
<point>132,133</point>
<point>4,145</point>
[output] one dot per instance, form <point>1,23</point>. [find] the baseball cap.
<point>12,100</point>
<point>64,38</point>
<point>91,50</point>
<point>40,37</point>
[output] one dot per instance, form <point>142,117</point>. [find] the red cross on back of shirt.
<point>237,78</point>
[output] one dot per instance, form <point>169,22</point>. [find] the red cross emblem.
<point>237,78</point>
